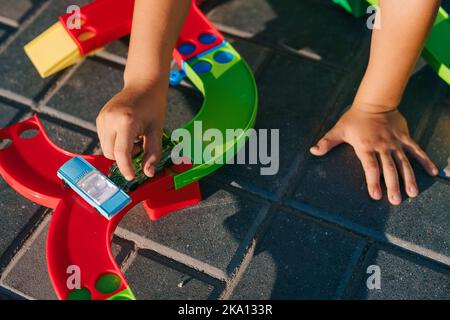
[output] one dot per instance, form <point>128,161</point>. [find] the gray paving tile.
<point>17,74</point>
<point>89,88</point>
<point>150,280</point>
<point>30,275</point>
<point>210,232</point>
<point>336,183</point>
<point>119,47</point>
<point>5,32</point>
<point>297,259</point>
<point>316,27</point>
<point>400,279</point>
<point>16,212</point>
<point>294,98</point>
<point>16,10</point>
<point>253,54</point>
<point>420,220</point>
<point>438,147</point>
<point>423,92</point>
<point>69,137</point>
<point>4,297</point>
<point>182,105</point>
<point>10,113</point>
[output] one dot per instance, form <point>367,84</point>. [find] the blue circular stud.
<point>202,67</point>
<point>186,48</point>
<point>223,56</point>
<point>176,76</point>
<point>207,38</point>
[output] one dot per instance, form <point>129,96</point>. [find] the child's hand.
<point>379,140</point>
<point>134,113</point>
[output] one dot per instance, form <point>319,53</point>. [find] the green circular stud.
<point>108,283</point>
<point>79,294</point>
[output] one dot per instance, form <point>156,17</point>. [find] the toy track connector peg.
<point>176,76</point>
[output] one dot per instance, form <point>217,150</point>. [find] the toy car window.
<point>97,187</point>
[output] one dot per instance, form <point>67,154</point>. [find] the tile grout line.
<point>8,22</point>
<point>355,260</point>
<point>23,26</point>
<point>255,229</point>
<point>14,97</point>
<point>231,285</point>
<point>36,230</point>
<point>323,216</point>
<point>144,243</point>
<point>14,293</point>
<point>59,83</point>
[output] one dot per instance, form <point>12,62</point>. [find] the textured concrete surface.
<point>309,232</point>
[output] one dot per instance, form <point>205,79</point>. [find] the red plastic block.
<point>78,235</point>
<point>197,36</point>
<point>103,21</point>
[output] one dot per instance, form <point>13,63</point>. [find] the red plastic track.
<point>78,234</point>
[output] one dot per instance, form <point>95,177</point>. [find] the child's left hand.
<point>379,140</point>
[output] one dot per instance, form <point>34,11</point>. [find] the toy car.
<point>93,186</point>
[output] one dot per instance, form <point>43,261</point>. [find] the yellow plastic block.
<point>53,51</point>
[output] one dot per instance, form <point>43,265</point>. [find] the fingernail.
<point>376,194</point>
<point>396,198</point>
<point>413,190</point>
<point>150,171</point>
<point>435,171</point>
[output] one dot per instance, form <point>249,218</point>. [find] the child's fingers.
<point>407,173</point>
<point>391,178</point>
<point>152,152</point>
<point>416,151</point>
<point>123,149</point>
<point>371,168</point>
<point>328,142</point>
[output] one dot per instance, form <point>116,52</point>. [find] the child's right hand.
<point>135,112</point>
<point>381,141</point>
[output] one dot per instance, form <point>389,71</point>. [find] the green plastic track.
<point>437,47</point>
<point>230,102</point>
<point>126,294</point>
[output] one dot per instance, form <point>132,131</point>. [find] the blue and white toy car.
<point>93,186</point>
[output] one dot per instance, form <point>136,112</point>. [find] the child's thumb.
<point>328,142</point>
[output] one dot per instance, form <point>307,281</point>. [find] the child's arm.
<point>373,126</point>
<point>138,110</point>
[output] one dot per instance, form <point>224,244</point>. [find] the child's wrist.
<point>160,84</point>
<point>372,107</point>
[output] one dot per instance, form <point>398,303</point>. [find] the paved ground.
<point>308,232</point>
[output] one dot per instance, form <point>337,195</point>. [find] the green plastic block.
<point>437,47</point>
